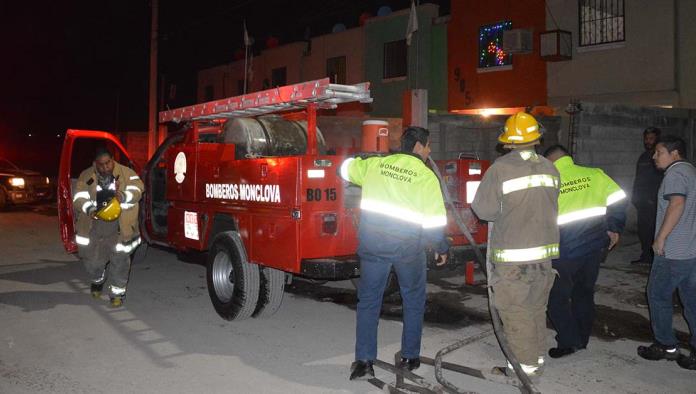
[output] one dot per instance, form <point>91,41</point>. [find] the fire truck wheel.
<point>270,292</point>
<point>392,284</point>
<point>233,282</point>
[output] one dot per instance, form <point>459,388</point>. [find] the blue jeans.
<point>665,276</point>
<point>374,272</point>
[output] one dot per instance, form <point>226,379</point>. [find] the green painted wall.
<point>422,67</point>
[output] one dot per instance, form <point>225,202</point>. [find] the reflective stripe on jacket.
<point>519,193</point>
<point>401,200</point>
<point>590,203</point>
<point>85,197</point>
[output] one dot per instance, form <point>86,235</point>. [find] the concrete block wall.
<point>346,131</point>
<point>610,136</point>
<point>474,134</point>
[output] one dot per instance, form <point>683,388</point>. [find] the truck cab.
<point>247,181</point>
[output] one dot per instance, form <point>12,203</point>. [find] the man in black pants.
<point>591,215</point>
<point>644,197</point>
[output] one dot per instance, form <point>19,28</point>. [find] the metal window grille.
<point>279,76</point>
<point>336,69</point>
<point>601,21</point>
<point>395,59</point>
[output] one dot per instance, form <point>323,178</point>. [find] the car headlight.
<point>48,181</point>
<point>17,182</point>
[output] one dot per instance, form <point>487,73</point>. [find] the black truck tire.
<point>233,282</point>
<point>271,292</point>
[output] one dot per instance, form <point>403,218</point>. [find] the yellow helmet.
<point>520,128</point>
<point>110,211</point>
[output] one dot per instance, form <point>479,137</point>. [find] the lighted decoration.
<point>491,52</point>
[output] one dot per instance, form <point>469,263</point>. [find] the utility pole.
<point>152,89</point>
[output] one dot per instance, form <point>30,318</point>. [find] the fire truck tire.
<point>392,286</point>
<point>271,292</point>
<point>233,282</point>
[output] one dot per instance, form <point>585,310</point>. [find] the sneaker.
<point>96,290</point>
<point>361,370</point>
<point>116,302</point>
<point>409,363</point>
<point>687,362</point>
<point>657,351</point>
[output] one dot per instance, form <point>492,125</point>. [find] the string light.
<point>490,46</point>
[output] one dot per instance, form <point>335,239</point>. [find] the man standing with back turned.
<point>591,215</point>
<point>402,214</point>
<point>519,193</point>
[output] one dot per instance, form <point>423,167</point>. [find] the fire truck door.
<point>76,156</point>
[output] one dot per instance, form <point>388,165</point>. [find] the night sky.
<point>84,64</point>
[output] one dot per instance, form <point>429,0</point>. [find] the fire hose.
<point>527,385</point>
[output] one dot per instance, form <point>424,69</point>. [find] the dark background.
<point>84,64</point>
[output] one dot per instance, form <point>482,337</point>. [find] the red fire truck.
<point>248,181</point>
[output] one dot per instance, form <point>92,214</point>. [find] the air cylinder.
<point>375,136</point>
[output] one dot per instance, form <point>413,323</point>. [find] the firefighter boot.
<point>116,301</point>
<point>96,289</point>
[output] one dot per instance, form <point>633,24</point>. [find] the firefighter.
<point>519,193</point>
<point>106,201</point>
<point>591,215</point>
<point>402,215</point>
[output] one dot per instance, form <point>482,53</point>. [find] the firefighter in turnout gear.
<point>591,215</point>
<point>519,193</point>
<point>106,201</point>
<point>402,215</point>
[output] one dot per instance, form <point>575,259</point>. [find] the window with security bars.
<point>395,59</point>
<point>601,21</point>
<point>336,69</point>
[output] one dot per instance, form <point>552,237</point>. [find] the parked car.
<point>19,186</point>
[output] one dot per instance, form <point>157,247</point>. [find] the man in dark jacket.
<point>591,215</point>
<point>644,195</point>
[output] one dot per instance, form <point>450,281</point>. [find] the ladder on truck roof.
<point>320,92</point>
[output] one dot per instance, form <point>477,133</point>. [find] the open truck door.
<point>76,156</point>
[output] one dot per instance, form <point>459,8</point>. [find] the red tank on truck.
<point>250,182</point>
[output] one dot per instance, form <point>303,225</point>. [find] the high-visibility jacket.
<point>519,193</point>
<point>130,186</point>
<point>402,209</point>
<point>590,203</point>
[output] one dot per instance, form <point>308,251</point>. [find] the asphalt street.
<point>54,338</point>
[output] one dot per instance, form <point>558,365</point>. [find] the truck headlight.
<point>17,182</point>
